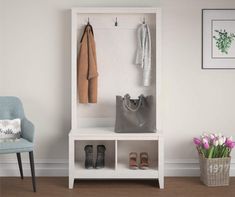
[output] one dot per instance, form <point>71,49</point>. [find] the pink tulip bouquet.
<point>214,145</point>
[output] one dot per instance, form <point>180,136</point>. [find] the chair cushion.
<point>10,129</point>
<point>20,145</point>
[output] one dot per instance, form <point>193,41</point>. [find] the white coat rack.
<point>116,43</point>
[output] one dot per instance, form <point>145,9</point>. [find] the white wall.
<point>1,41</point>
<point>36,67</point>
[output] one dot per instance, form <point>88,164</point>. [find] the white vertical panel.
<point>71,162</point>
<point>116,154</point>
<point>74,68</point>
<point>161,162</point>
<point>159,93</point>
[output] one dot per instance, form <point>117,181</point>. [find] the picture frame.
<point>218,38</point>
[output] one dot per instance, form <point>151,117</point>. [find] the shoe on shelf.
<point>100,159</point>
<point>88,156</point>
<point>133,161</point>
<point>144,161</point>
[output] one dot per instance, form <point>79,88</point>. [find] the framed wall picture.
<point>218,38</point>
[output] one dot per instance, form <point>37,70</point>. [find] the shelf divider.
<point>116,154</point>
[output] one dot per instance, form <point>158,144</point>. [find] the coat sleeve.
<point>92,69</point>
<point>140,47</point>
<point>147,59</point>
<point>82,70</point>
<point>92,61</point>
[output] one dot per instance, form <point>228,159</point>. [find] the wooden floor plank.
<point>58,186</point>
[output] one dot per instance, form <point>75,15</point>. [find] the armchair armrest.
<point>27,129</point>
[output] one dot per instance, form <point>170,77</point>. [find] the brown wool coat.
<point>87,68</point>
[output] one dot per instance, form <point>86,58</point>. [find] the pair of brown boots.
<point>144,162</point>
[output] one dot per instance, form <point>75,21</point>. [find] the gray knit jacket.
<point>143,56</point>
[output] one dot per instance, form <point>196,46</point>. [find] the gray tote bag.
<point>135,115</point>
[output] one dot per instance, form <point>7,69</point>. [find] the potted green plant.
<point>214,156</point>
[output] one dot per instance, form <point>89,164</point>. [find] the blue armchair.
<point>12,108</point>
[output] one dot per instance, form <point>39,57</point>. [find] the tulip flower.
<point>206,146</point>
<point>230,144</point>
<point>197,141</point>
<point>212,136</point>
<point>215,142</point>
<point>229,140</point>
<point>205,135</point>
<point>221,141</point>
<point>224,139</point>
<point>205,143</point>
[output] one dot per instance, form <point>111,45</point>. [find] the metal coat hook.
<point>116,22</point>
<point>144,20</point>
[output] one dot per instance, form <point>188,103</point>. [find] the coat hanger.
<point>87,25</point>
<point>88,21</point>
<point>116,22</point>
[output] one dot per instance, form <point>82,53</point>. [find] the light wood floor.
<point>174,187</point>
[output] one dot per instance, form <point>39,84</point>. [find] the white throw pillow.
<point>10,130</point>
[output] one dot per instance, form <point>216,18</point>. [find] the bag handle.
<point>126,102</point>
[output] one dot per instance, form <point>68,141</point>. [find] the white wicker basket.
<point>215,171</point>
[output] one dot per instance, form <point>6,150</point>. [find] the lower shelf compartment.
<point>118,148</point>
<point>125,147</point>
<point>80,153</point>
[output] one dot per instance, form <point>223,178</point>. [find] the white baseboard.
<point>53,168</point>
<point>42,168</point>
